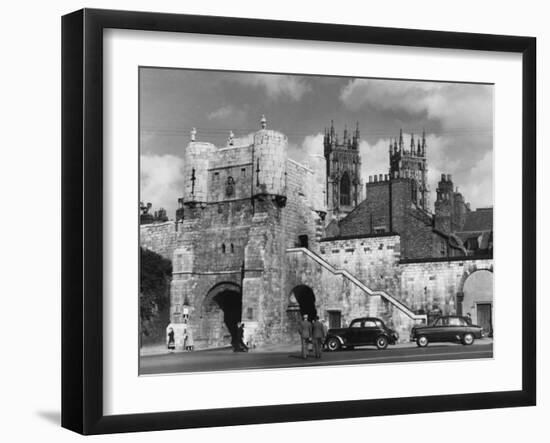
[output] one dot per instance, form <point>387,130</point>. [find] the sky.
<point>457,119</point>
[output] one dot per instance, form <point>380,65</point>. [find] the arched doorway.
<point>305,299</point>
<point>478,299</point>
<point>301,300</point>
<point>221,312</point>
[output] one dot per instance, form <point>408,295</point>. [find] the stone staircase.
<point>345,274</point>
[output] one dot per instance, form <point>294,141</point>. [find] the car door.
<point>369,332</point>
<point>455,328</point>
<point>438,329</point>
<point>354,332</point>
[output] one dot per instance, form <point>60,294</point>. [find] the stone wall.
<point>423,285</point>
<point>340,291</point>
<point>438,285</point>
<point>230,174</point>
<point>159,237</point>
<point>162,239</point>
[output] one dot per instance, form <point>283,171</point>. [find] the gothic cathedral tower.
<point>344,188</point>
<point>411,163</point>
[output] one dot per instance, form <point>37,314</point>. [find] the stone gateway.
<point>262,239</point>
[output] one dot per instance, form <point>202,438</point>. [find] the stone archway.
<point>468,270</point>
<point>221,310</point>
<point>301,300</point>
<point>477,300</point>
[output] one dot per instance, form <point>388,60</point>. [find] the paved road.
<point>225,359</point>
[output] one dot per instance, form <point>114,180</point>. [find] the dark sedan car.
<point>450,328</point>
<point>361,332</point>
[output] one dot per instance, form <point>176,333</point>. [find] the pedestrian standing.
<point>171,341</point>
<point>318,330</point>
<point>242,344</point>
<point>305,332</point>
<point>190,342</point>
<point>235,337</point>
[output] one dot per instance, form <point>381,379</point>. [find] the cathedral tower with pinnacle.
<point>344,187</point>
<point>411,163</point>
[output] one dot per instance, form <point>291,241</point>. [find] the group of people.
<point>314,332</point>
<point>188,343</point>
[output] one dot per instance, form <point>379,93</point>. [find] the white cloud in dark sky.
<point>161,181</point>
<point>389,95</point>
<point>277,86</point>
<point>229,115</point>
<point>245,140</point>
<point>374,158</point>
<point>313,144</point>
<point>455,106</point>
<point>310,145</point>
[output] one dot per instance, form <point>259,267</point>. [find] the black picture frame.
<point>82,215</point>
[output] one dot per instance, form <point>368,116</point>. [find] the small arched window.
<point>232,248</point>
<point>223,248</point>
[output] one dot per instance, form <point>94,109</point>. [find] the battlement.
<point>397,175</point>
<point>247,168</point>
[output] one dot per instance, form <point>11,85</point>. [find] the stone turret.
<point>269,162</point>
<point>195,171</point>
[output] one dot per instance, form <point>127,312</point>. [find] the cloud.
<point>475,183</point>
<point>311,145</point>
<point>229,114</point>
<point>245,140</point>
<point>458,119</point>
<point>456,106</point>
<point>277,86</point>
<point>161,181</point>
<point>374,158</point>
<point>385,94</point>
<point>478,189</point>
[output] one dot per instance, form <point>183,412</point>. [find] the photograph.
<point>289,220</point>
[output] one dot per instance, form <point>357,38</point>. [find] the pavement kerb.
<point>292,347</point>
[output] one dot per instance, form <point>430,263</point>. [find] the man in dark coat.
<point>318,330</point>
<point>305,332</point>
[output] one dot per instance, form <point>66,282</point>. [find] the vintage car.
<point>449,328</point>
<point>361,332</point>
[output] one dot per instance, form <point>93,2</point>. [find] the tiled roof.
<point>479,220</point>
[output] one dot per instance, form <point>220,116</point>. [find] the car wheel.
<point>422,341</point>
<point>468,339</point>
<point>381,342</point>
<point>333,344</point>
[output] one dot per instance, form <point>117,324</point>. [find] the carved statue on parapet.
<point>145,208</point>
